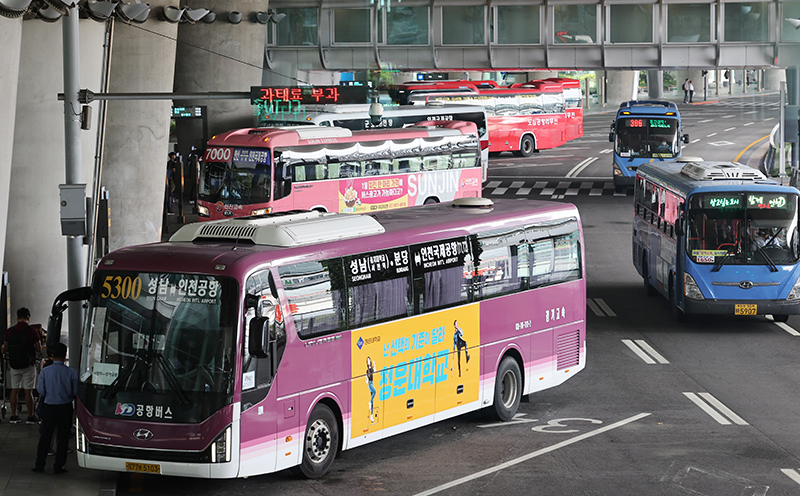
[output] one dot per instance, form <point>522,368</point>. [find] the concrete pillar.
<point>36,252</point>
<point>773,78</point>
<point>622,86</point>
<point>655,84</point>
<point>10,40</point>
<point>137,131</point>
<point>717,79</point>
<point>219,57</point>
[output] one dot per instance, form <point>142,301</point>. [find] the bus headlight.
<point>261,211</point>
<point>795,292</point>
<point>617,170</point>
<point>80,438</point>
<point>690,288</point>
<point>201,210</point>
<point>221,447</point>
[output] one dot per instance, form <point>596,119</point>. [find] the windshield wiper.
<point>123,378</point>
<point>763,252</point>
<point>171,379</point>
<point>719,264</point>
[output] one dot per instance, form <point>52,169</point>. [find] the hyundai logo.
<point>142,435</point>
<point>746,284</point>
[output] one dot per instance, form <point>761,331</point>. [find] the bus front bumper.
<point>729,307</point>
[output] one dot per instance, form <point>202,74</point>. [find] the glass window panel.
<point>299,27</point>
<point>498,271</point>
<point>566,264</point>
<point>687,23</point>
<point>746,21</point>
<point>542,262</point>
<point>575,23</point>
<point>518,24</point>
<point>314,291</point>
<point>631,23</point>
<point>463,25</point>
<point>791,10</point>
<point>407,26</point>
<point>351,25</point>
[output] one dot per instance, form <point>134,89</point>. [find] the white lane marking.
<point>727,116</point>
<point>710,135</point>
<point>645,346</point>
<point>605,307</point>
<point>517,420</point>
<point>492,184</point>
<point>517,184</point>
<point>787,328</point>
<point>608,150</point>
<point>529,456</point>
<point>581,166</point>
<point>730,129</point>
<point>523,191</point>
<point>594,308</point>
<point>792,474</point>
<point>499,191</point>
<point>723,409</point>
<point>705,120</point>
<point>751,112</point>
<point>547,191</point>
<point>695,140</point>
<point>641,354</point>
<point>748,124</point>
<point>710,411</point>
<point>768,119</point>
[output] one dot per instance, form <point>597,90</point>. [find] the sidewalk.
<point>18,454</point>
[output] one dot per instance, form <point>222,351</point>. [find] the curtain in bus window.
<point>566,260</point>
<point>496,259</point>
<point>378,286</point>
<point>442,273</point>
<point>314,291</point>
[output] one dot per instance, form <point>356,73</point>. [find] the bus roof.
<point>647,107</point>
<point>691,177</point>
<point>228,255</point>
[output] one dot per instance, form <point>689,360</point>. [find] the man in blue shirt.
<point>58,385</point>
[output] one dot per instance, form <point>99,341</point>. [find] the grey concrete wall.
<point>621,86</point>
<point>137,139</point>
<point>35,250</point>
<point>10,40</point>
<point>773,78</point>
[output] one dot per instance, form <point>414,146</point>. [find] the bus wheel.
<point>526,147</point>
<point>507,389</point>
<point>430,201</point>
<point>320,443</point>
<point>780,317</point>
<point>648,288</point>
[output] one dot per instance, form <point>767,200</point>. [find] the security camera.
<point>375,112</point>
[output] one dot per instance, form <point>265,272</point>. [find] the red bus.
<point>522,118</point>
<point>257,171</point>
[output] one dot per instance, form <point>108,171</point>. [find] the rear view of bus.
<point>643,132</point>
<point>718,238</point>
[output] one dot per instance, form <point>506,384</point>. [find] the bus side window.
<point>447,284</point>
<point>465,160</point>
<point>350,169</point>
<point>315,291</point>
<point>401,166</point>
<point>375,299</point>
<point>497,264</point>
<point>541,254</point>
<point>333,170</point>
<point>567,262</point>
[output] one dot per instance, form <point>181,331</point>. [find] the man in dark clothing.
<point>22,342</point>
<point>58,385</point>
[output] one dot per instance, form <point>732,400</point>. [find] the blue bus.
<point>644,131</point>
<point>717,238</point>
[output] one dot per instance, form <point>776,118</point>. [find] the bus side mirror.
<point>611,137</point>
<point>679,228</point>
<point>685,138</point>
<point>56,314</point>
<point>286,180</point>
<point>258,343</point>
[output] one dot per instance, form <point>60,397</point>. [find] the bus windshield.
<point>743,228</point>
<point>163,334</point>
<point>244,178</point>
<point>647,137</point>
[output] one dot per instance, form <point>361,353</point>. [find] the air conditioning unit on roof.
<point>705,171</point>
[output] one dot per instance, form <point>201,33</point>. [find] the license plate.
<point>147,468</point>
<point>745,309</point>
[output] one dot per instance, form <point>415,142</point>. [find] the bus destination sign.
<point>310,95</point>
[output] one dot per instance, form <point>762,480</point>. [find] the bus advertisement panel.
<point>248,346</point>
<point>717,238</point>
<point>258,171</point>
<point>644,131</point>
<point>522,118</point>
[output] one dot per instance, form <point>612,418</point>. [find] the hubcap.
<point>318,441</point>
<point>509,393</point>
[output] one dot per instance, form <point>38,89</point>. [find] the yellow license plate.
<point>745,309</point>
<point>147,468</point>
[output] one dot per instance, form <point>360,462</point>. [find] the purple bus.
<point>251,345</point>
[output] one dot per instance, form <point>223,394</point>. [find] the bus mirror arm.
<point>258,344</point>
<point>679,226</point>
<point>56,314</point>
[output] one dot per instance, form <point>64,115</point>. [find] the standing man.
<point>172,171</point>
<point>691,91</point>
<point>58,385</point>
<point>22,342</point>
<point>686,91</point>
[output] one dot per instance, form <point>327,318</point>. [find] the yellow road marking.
<point>748,147</point>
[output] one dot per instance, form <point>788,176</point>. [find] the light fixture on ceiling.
<point>234,17</point>
<point>193,15</point>
<point>172,14</point>
<point>99,10</point>
<point>133,12</point>
<point>794,22</point>
<point>14,8</point>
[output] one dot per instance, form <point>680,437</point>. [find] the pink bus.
<point>330,169</point>
<point>247,346</point>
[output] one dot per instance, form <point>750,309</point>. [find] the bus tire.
<point>780,317</point>
<point>526,147</point>
<point>320,443</point>
<point>430,200</point>
<point>649,290</point>
<point>507,389</point>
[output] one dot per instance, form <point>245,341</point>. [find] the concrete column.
<point>622,86</point>
<point>218,57</point>
<point>773,78</point>
<point>10,40</point>
<point>137,131</point>
<point>36,252</point>
<point>731,81</point>
<point>717,79</point>
<point>655,84</point>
